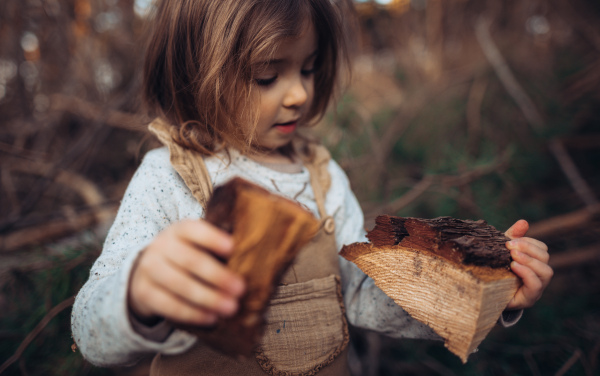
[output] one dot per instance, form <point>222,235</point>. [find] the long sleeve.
<point>100,321</point>
<point>366,305</point>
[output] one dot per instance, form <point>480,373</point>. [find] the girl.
<point>233,82</point>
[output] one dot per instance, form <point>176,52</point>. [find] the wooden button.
<point>329,225</point>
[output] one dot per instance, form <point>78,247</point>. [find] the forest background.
<point>473,109</point>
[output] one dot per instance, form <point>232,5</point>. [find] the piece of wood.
<point>268,231</point>
<point>460,302</point>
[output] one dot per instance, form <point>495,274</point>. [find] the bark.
<point>462,241</point>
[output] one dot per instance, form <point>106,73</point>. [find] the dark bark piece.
<point>463,241</point>
<point>268,232</point>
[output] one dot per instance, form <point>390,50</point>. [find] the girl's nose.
<point>297,94</point>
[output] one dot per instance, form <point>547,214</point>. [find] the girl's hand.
<point>179,277</point>
<point>530,262</point>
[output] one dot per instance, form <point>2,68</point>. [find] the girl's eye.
<point>308,72</point>
<point>265,81</point>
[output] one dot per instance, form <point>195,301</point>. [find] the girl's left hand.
<point>530,263</point>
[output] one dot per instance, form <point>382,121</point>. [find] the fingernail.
<point>515,253</point>
<point>229,306</point>
<point>228,243</point>
<point>238,287</point>
<point>211,318</point>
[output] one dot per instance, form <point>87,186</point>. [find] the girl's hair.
<point>203,54</point>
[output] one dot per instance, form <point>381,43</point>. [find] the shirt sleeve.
<point>366,305</point>
<point>100,320</point>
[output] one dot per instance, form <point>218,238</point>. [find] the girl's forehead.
<point>305,43</point>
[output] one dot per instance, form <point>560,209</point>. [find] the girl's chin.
<point>274,149</point>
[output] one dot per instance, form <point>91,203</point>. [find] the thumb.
<point>518,230</point>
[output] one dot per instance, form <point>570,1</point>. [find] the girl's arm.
<point>149,219</point>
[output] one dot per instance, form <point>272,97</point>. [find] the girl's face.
<point>286,88</point>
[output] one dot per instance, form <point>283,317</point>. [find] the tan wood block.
<point>461,303</point>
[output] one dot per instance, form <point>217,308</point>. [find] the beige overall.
<point>306,331</point>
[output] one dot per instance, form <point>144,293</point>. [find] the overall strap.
<point>188,163</point>
<point>316,160</point>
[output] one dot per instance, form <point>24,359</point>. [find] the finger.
<point>518,230</point>
<point>194,292</point>
<point>175,309</point>
<point>531,290</point>
<point>203,234</point>
<point>536,249</point>
<point>205,267</point>
<point>533,241</point>
<point>542,271</point>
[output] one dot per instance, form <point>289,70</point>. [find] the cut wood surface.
<point>460,302</point>
<point>268,231</point>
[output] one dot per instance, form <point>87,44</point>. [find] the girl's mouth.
<point>287,127</point>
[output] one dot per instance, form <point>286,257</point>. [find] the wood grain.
<point>460,302</point>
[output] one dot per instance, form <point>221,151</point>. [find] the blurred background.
<point>473,109</point>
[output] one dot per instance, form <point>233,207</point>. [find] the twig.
<point>410,196</point>
<point>476,95</point>
<point>444,180</point>
<point>20,152</point>
<point>575,257</point>
<point>36,331</point>
<point>87,110</point>
<point>563,223</point>
<point>86,189</point>
<point>83,144</point>
<point>436,366</point>
<point>588,141</point>
<point>570,169</point>
<point>9,190</point>
<point>587,30</point>
<point>507,78</point>
<point>594,355</point>
<point>535,370</point>
<point>47,231</point>
<point>569,363</point>
<point>478,172</point>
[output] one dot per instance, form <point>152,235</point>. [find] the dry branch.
<point>86,189</point>
<point>575,257</point>
<point>569,363</point>
<point>563,223</point>
<point>443,181</point>
<point>512,86</point>
<point>46,232</point>
<point>582,189</point>
<point>93,112</point>
<point>36,331</point>
<point>89,192</point>
<point>476,95</point>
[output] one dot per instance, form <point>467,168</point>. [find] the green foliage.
<point>28,296</point>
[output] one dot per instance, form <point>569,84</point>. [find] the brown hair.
<point>201,55</point>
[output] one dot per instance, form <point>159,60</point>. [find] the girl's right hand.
<point>179,277</point>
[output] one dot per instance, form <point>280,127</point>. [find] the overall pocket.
<point>306,328</point>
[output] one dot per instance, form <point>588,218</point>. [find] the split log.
<point>268,231</point>
<point>449,274</point>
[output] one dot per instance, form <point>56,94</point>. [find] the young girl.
<point>234,82</point>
